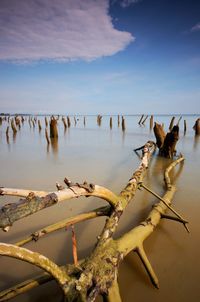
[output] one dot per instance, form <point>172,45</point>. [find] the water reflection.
<point>54,145</point>
<point>196,141</point>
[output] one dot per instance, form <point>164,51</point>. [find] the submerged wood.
<point>14,129</point>
<point>146,117</point>
<point>166,142</point>
<point>53,128</point>
<point>141,119</point>
<point>171,123</point>
<point>111,123</point>
<point>123,124</point>
<point>185,127</point>
<point>151,122</point>
<point>97,274</point>
<point>196,127</point>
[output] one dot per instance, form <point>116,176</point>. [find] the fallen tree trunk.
<point>96,275</point>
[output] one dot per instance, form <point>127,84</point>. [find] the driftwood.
<point>166,142</point>
<point>97,274</point>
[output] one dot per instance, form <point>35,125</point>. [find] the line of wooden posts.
<point>51,129</point>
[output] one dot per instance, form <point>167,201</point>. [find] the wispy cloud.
<point>196,27</point>
<point>59,30</point>
<point>125,3</point>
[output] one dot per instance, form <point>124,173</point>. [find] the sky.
<point>100,56</point>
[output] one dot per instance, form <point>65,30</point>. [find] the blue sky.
<point>100,56</point>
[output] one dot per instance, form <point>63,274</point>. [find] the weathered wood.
<point>111,123</point>
<point>171,123</point>
<point>53,128</point>
<point>151,122</point>
<point>123,124</point>
<point>97,274</point>
<point>169,145</point>
<point>196,127</point>
<point>159,134</point>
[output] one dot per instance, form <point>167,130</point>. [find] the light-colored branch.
<point>104,211</point>
<point>10,213</point>
<point>143,257</point>
<point>73,192</point>
<point>135,238</point>
<point>36,259</point>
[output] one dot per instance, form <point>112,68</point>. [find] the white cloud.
<point>59,30</point>
<point>196,27</point>
<point>125,3</point>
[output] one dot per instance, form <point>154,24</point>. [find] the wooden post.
<point>64,123</point>
<point>84,121</point>
<point>123,124</point>
<point>47,136</point>
<point>110,122</point>
<point>171,123</point>
<point>118,120</point>
<point>46,121</point>
<point>141,119</point>
<point>144,119</point>
<point>196,127</point>
<point>185,127</point>
<point>151,122</point>
<point>68,122</point>
<point>39,126</point>
<point>53,128</point>
<point>14,129</point>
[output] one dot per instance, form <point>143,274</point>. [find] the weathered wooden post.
<point>118,120</point>
<point>141,119</point>
<point>196,127</point>
<point>68,122</point>
<point>110,122</point>
<point>47,136</point>
<point>46,121</point>
<point>171,123</point>
<point>151,122</point>
<point>14,129</point>
<point>185,127</point>
<point>39,126</point>
<point>146,117</point>
<point>123,124</point>
<point>1,120</point>
<point>53,128</point>
<point>64,123</point>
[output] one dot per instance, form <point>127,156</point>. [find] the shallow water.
<point>105,157</point>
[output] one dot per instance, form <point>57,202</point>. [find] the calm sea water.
<point>105,157</point>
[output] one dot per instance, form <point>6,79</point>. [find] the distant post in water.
<point>110,122</point>
<point>118,120</point>
<point>46,121</point>
<point>14,129</point>
<point>84,121</point>
<point>141,119</point>
<point>68,122</point>
<point>123,124</point>
<point>151,122</point>
<point>196,127</point>
<point>185,127</point>
<point>144,119</point>
<point>39,126</point>
<point>53,128</point>
<point>171,123</point>
<point>64,123</point>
